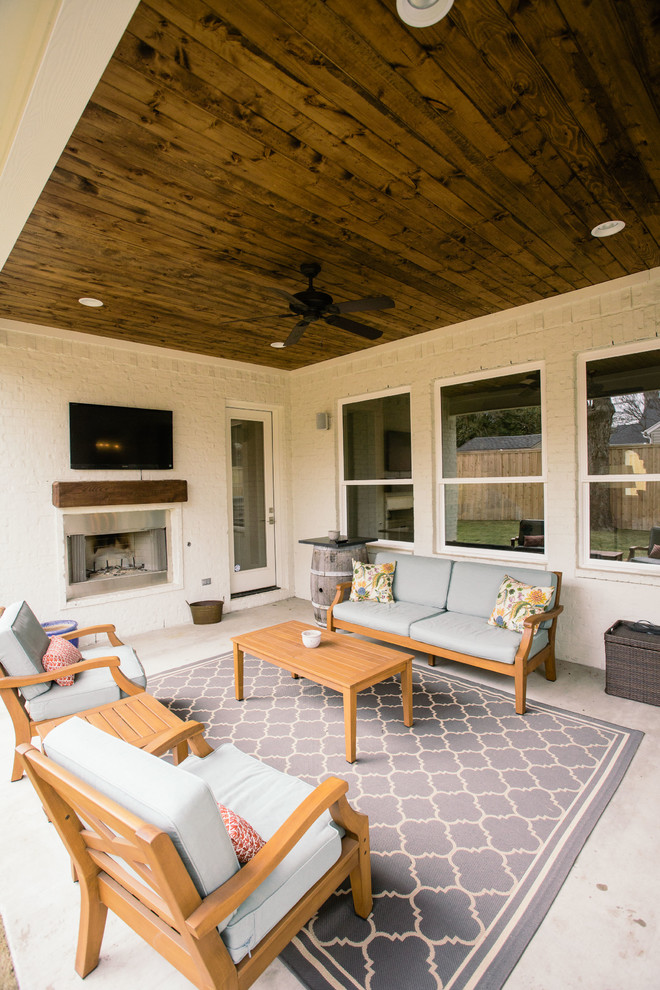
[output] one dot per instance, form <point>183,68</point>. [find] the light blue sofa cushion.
<point>89,689</point>
<point>473,635</point>
<point>23,643</point>
<point>395,617</point>
<point>422,580</point>
<point>265,797</point>
<point>179,803</point>
<point>473,589</point>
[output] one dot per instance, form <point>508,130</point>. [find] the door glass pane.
<point>497,517</point>
<point>383,512</point>
<point>248,496</point>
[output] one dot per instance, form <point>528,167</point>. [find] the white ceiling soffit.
<point>52,55</point>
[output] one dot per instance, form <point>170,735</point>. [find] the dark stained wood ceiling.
<point>457,169</point>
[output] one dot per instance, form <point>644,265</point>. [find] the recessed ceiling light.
<point>608,227</point>
<point>422,13</point>
<point>277,343</point>
<point>90,301</point>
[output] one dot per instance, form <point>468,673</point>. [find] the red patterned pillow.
<point>246,840</point>
<point>655,551</point>
<point>61,653</point>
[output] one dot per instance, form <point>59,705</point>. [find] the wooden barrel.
<point>329,568</point>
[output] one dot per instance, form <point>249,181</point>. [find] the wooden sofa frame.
<point>159,901</point>
<point>522,666</point>
<point>25,728</point>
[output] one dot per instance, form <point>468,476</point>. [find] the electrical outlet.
<point>206,581</point>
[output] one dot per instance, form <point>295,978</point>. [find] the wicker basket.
<point>632,663</point>
<point>206,612</point>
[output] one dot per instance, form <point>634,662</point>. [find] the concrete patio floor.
<point>601,932</point>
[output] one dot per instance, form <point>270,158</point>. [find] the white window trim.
<point>530,560</point>
<point>343,484</point>
<point>585,562</point>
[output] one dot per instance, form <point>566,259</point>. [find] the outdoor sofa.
<point>441,607</point>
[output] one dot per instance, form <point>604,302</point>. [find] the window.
<point>492,473</point>
<point>620,458</point>
<point>377,468</point>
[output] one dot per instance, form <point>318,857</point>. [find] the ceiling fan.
<point>311,304</point>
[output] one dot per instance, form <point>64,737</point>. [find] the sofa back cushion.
<point>422,580</point>
<point>23,643</point>
<point>166,796</point>
<point>474,587</point>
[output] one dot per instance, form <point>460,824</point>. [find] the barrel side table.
<point>332,563</point>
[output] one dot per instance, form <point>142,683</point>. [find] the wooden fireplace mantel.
<point>71,494</point>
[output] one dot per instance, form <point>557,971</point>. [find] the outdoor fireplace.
<point>116,551</point>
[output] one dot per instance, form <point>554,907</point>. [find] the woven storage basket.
<point>206,612</point>
<point>632,663</point>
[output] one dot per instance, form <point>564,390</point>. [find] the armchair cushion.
<point>91,688</point>
<point>266,797</point>
<point>23,643</point>
<point>179,803</point>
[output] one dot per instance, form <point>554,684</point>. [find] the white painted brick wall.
<point>40,373</point>
<point>554,332</point>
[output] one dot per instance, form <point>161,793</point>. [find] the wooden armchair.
<point>649,551</point>
<point>30,693</point>
<point>166,882</point>
<point>530,535</point>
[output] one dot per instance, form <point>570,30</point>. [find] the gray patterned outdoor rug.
<point>476,814</point>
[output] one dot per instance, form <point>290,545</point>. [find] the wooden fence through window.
<point>634,506</point>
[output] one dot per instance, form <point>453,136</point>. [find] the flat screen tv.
<point>119,437</point>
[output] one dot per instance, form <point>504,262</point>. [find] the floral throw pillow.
<point>244,838</point>
<point>515,601</point>
<point>372,582</point>
<point>61,653</point>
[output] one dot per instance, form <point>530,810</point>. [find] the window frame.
<point>345,484</point>
<point>487,553</point>
<point>585,480</point>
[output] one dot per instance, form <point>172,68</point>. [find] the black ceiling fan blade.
<point>296,333</point>
<point>359,328</point>
<point>362,305</point>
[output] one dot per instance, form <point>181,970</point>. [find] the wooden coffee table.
<point>341,662</point>
<point>139,719</point>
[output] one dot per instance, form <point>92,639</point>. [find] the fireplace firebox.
<point>115,551</point>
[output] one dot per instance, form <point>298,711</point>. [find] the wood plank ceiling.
<point>457,169</point>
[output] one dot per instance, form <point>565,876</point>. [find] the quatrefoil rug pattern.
<point>476,814</point>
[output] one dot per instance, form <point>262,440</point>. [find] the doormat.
<point>476,814</point>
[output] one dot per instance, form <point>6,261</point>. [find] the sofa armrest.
<point>92,631</point>
<point>340,594</point>
<point>225,899</point>
<point>191,733</point>
<point>631,551</point>
<point>128,687</point>
<point>530,623</point>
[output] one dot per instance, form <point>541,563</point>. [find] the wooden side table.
<point>142,721</point>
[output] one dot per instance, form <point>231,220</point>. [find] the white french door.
<point>252,529</point>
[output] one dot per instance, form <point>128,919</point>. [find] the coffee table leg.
<point>238,671</point>
<point>407,693</point>
<point>350,724</point>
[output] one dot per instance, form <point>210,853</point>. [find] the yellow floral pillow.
<point>515,601</point>
<point>372,582</point>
